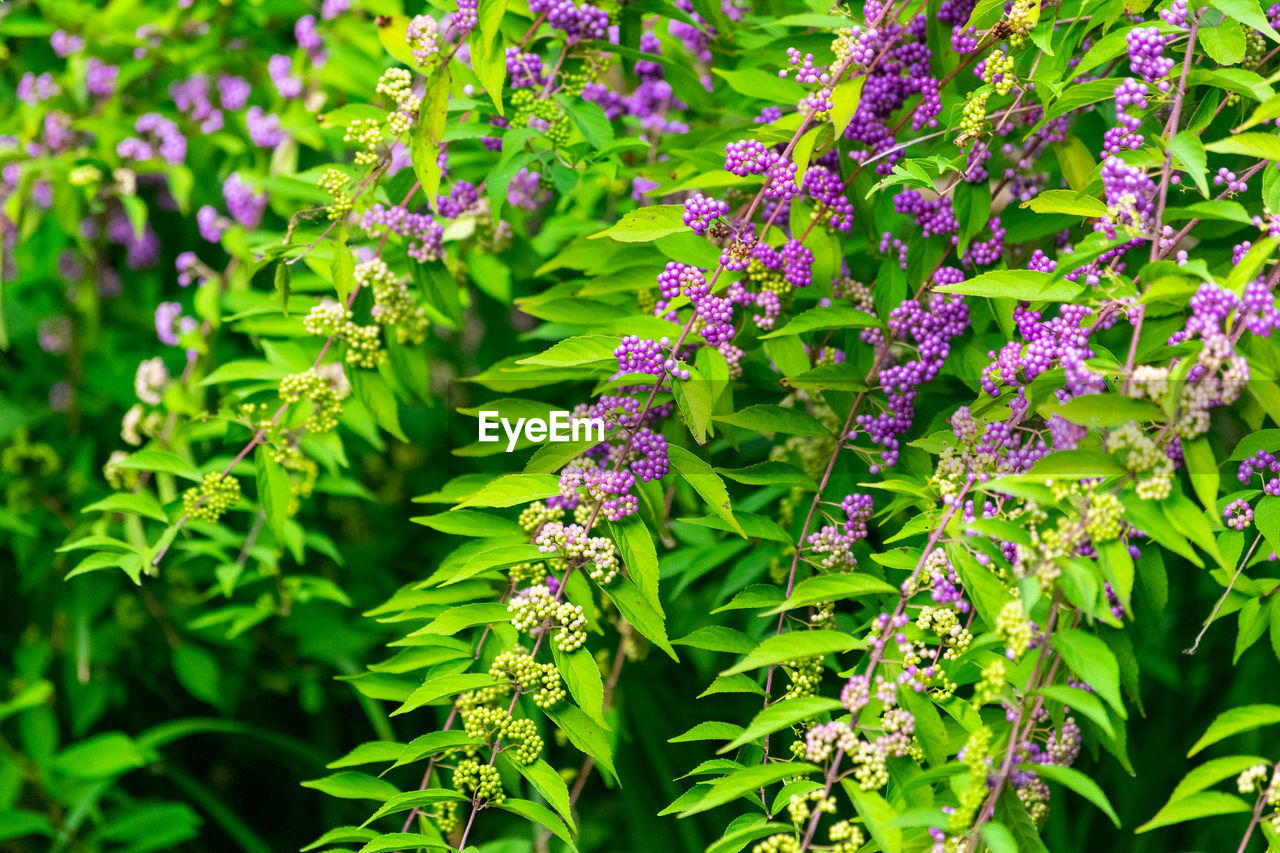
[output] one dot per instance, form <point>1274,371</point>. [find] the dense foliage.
<point>937,502</point>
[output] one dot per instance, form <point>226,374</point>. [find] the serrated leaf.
<point>160,462</point>
<point>582,676</point>
<point>1080,783</point>
<point>706,482</point>
<point>1095,664</point>
<point>796,644</point>
<point>584,734</point>
<point>353,785</point>
<point>645,224</point>
<point>1016,284</point>
<point>746,780</point>
<point>775,419</point>
<point>1234,721</point>
<point>1204,804</point>
<point>780,714</point>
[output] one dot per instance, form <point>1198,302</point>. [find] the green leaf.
<point>16,824</point>
<point>514,489</point>
<point>249,368</point>
<point>645,224</point>
<point>1068,202</point>
<point>706,482</point>
<point>770,474</point>
<point>639,556</point>
<point>590,119</point>
<point>395,841</point>
<point>135,503</point>
<point>161,462</point>
<point>640,614</point>
<point>845,98</point>
<point>718,638</point>
<point>780,714</point>
<point>372,752</point>
<point>441,686</point>
<point>100,756</point>
<point>391,32</point>
<point>708,730</point>
<point>582,675</point>
<point>375,393</point>
<point>430,744</point>
<point>1249,13</point>
<point>1017,284</point>
<point>1071,778</point>
<point>273,491</point>
<point>1095,664</point>
<point>755,526</point>
<point>694,398</point>
<point>547,782</point>
<point>745,781</point>
<point>540,815</point>
<point>1205,804</point>
<point>429,134</point>
<point>1105,410</point>
<point>488,56</point>
<point>1074,464</point>
<point>775,419</point>
<point>409,799</point>
<point>1212,772</point>
<point>199,672</point>
<point>469,522</point>
<point>576,352</point>
<point>878,815</point>
<point>1246,718</point>
<point>998,838</point>
<point>1264,146</point>
<point>283,284</point>
<point>1076,161</point>
<point>833,588</point>
<point>1188,153</point>
<point>1202,468</point>
<point>353,785</point>
<point>759,83</point>
<point>1224,43</point>
<point>796,644</point>
<point>584,734</point>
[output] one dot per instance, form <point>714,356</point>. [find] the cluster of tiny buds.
<point>537,514</point>
<point>394,305</point>
<point>324,393</point>
<point>535,610</point>
<point>540,680</point>
<point>216,494</point>
<point>480,781</point>
<point>334,183</point>
<point>330,318</point>
<point>367,134</point>
<point>1014,630</point>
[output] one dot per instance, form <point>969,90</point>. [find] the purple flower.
<point>233,92</point>
<point>245,207</point>
<point>264,128</point>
